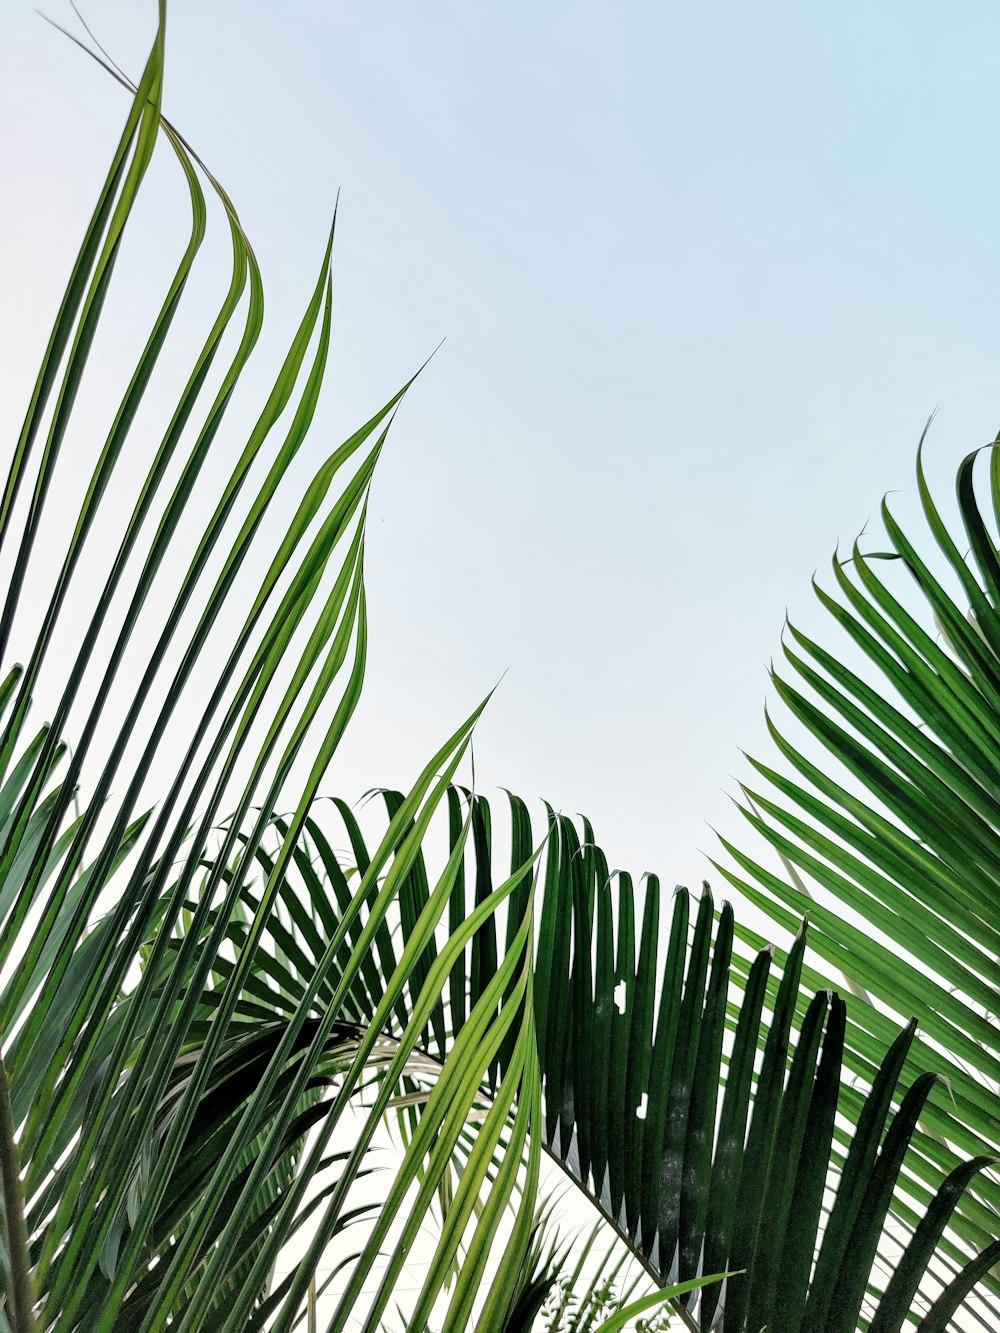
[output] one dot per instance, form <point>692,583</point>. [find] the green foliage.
<point>207,1013</point>
<point>752,1156</point>
<point>888,836</point>
<point>170,1108</point>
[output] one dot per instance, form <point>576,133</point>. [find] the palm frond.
<point>699,1096</point>
<point>898,839</point>
<point>172,1099</point>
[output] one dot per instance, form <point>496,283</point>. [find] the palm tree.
<point>207,1012</point>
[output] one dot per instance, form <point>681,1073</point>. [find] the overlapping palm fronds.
<point>703,1110</point>
<point>165,1118</point>
<point>195,998</point>
<point>894,849</point>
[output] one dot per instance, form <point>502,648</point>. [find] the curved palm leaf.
<point>897,857</point>
<point>739,1158</point>
<point>167,1117</point>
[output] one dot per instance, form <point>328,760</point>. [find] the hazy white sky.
<point>703,272</point>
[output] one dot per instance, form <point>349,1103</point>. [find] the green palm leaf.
<point>894,851</point>
<point>177,1064</point>
<point>741,1077</point>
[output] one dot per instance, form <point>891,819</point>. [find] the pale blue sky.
<point>703,272</point>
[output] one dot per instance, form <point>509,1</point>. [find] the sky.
<point>703,273</point>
